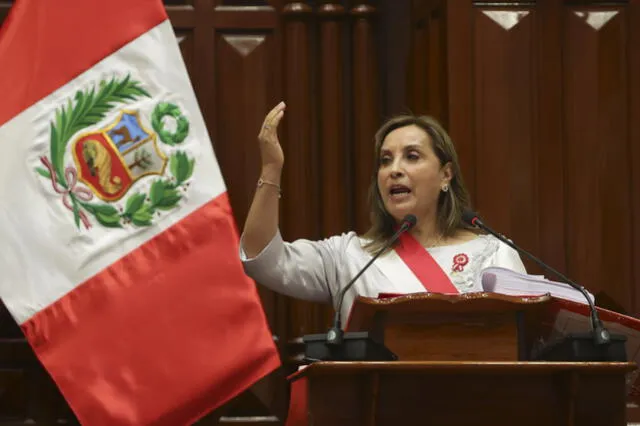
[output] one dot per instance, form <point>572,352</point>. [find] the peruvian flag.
<point>118,248</point>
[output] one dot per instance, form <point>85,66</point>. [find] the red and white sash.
<point>412,268</point>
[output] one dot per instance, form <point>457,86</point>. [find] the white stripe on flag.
<point>43,255</point>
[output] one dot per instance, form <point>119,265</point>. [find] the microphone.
<point>335,335</point>
<point>601,335</point>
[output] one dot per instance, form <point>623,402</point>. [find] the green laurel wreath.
<point>140,207</point>
<point>165,109</point>
<point>90,108</point>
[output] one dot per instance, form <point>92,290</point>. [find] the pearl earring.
<point>445,188</point>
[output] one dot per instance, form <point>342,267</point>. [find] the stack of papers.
<point>505,281</point>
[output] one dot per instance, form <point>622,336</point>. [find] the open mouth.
<point>398,191</point>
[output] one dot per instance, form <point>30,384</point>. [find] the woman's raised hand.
<point>262,220</point>
<point>270,149</point>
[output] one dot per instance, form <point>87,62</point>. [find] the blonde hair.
<point>451,204</point>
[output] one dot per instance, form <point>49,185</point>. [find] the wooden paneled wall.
<point>542,99</point>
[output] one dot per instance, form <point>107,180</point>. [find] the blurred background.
<point>541,98</point>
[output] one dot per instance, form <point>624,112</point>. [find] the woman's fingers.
<point>270,149</point>
<point>269,132</point>
<point>271,121</point>
<point>276,120</point>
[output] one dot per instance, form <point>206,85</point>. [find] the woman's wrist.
<point>270,177</point>
<point>271,174</point>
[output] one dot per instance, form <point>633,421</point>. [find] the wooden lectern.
<point>462,360</point>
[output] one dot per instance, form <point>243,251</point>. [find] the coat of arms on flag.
<point>110,157</point>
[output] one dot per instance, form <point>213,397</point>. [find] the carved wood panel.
<point>633,47</point>
<point>541,106</point>
<point>505,130</point>
<point>597,149</point>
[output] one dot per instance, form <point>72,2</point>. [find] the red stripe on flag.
<point>164,335</point>
<point>45,44</point>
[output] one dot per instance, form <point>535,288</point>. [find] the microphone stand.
<point>599,345</point>
<point>336,345</point>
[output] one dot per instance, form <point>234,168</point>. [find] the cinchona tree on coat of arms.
<point>108,161</point>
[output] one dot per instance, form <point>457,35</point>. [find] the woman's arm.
<point>262,220</point>
<point>304,269</point>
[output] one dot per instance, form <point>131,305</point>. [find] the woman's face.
<point>410,176</point>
